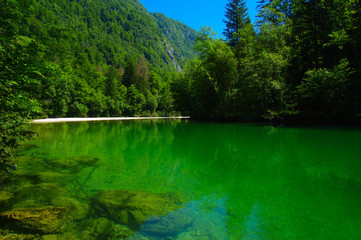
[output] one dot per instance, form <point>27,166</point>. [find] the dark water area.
<point>172,179</point>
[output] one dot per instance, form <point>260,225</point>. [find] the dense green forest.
<point>299,63</point>
<point>85,58</point>
<point>101,58</point>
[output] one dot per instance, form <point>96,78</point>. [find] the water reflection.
<point>236,181</point>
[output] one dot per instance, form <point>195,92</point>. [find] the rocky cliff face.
<point>172,55</point>
<point>181,37</point>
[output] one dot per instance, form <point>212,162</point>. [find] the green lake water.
<point>233,181</point>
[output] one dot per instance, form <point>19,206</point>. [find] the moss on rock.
<point>5,196</point>
<point>133,208</point>
<point>39,194</point>
<point>121,232</point>
<point>73,164</point>
<point>15,236</point>
<point>54,177</point>
<point>77,210</point>
<point>43,220</point>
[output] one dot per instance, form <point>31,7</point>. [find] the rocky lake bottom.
<point>180,180</point>
<point>39,205</point>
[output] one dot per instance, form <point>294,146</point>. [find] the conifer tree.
<point>236,18</point>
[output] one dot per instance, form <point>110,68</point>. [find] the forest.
<point>300,62</point>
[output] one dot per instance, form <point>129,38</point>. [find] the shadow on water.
<point>182,180</point>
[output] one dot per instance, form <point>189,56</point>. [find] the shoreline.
<point>92,119</point>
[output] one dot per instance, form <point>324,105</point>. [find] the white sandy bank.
<point>52,120</point>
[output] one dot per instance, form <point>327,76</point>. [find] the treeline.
<point>98,58</point>
<point>301,62</point>
<point>84,58</point>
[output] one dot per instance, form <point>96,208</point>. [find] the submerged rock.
<point>44,219</point>
<point>90,229</point>
<point>133,208</point>
<point>169,225</point>
<point>39,194</point>
<point>77,210</point>
<point>138,237</point>
<point>5,200</point>
<point>27,164</point>
<point>5,196</point>
<point>120,232</point>
<point>49,237</point>
<point>53,177</point>
<point>73,164</point>
<point>15,236</point>
<point>101,227</point>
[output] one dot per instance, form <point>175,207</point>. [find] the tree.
<point>236,18</point>
<point>129,73</point>
<point>142,75</point>
<point>210,79</point>
<point>326,93</point>
<point>20,61</point>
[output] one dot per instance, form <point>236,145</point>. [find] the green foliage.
<point>326,92</point>
<point>178,34</point>
<point>236,19</point>
<point>20,62</point>
<point>210,79</point>
<point>301,63</point>
<point>94,51</point>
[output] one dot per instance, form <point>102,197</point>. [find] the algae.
<point>73,164</point>
<point>133,208</point>
<point>44,220</point>
<point>15,236</point>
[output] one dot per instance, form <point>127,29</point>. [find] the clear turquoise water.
<point>236,181</point>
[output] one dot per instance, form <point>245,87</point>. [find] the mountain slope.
<point>179,35</point>
<point>96,57</point>
<point>107,31</point>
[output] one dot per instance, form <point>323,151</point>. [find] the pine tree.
<point>236,18</point>
<point>272,11</point>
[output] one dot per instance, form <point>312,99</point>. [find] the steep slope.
<point>107,31</point>
<point>96,57</point>
<point>178,34</point>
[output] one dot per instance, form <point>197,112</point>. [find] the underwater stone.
<point>77,210</point>
<point>169,225</point>
<point>6,200</point>
<point>120,232</point>
<point>51,177</point>
<point>74,164</point>
<point>45,219</point>
<point>101,227</point>
<point>138,237</point>
<point>5,196</point>
<point>49,237</point>
<point>39,194</point>
<point>15,236</point>
<point>133,208</point>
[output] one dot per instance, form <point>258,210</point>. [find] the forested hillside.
<point>84,58</point>
<point>178,34</point>
<point>101,57</point>
<point>300,62</point>
<point>107,31</point>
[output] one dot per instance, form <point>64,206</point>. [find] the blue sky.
<point>196,13</point>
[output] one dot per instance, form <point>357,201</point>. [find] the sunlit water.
<point>235,181</point>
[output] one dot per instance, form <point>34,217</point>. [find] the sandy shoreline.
<point>53,120</point>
